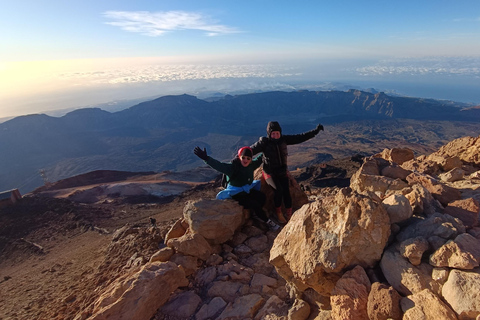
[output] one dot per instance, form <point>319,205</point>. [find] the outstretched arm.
<point>302,137</point>
<point>222,167</point>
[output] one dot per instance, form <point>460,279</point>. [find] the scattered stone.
<point>413,249</point>
<point>182,305</point>
<point>426,305</point>
<point>191,244</point>
<point>244,307</point>
<point>210,310</point>
<point>299,311</point>
<point>398,208</point>
<point>467,210</point>
<point>461,253</point>
<point>162,255</point>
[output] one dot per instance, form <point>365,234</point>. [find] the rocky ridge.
<point>401,242</point>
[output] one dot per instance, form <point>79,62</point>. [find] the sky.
<point>70,54</point>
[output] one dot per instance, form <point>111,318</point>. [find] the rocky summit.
<point>401,241</point>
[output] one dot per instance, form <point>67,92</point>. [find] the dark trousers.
<point>282,192</point>
<point>254,201</point>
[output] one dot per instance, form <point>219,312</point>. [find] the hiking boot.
<point>272,225</point>
<point>280,217</point>
<point>288,213</point>
<point>260,224</point>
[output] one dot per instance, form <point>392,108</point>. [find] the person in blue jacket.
<point>241,185</point>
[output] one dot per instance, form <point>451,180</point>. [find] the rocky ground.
<point>57,241</point>
<point>61,258</point>
<point>54,249</point>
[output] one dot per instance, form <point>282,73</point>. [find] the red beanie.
<point>245,151</point>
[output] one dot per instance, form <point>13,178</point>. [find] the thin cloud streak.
<point>155,24</point>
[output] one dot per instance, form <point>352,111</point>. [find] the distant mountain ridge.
<point>160,134</point>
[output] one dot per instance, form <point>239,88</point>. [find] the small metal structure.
<point>10,197</point>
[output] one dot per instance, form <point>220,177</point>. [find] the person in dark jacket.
<point>275,166</point>
<point>241,185</point>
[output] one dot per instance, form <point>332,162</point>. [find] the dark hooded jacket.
<point>275,151</point>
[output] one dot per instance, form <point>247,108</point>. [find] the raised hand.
<point>202,154</point>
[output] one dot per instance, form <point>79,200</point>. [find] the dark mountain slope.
<point>159,135</point>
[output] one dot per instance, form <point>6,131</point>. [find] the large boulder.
<point>138,296</point>
<point>215,220</point>
<point>327,236</point>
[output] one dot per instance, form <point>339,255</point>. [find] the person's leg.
<point>254,201</point>
<point>277,199</point>
<point>287,198</point>
<point>285,186</point>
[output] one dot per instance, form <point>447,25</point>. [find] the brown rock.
<point>398,208</point>
<point>421,200</point>
<point>405,277</point>
<point>178,229</point>
<point>162,255</point>
<point>461,253</point>
<point>244,307</point>
<point>273,306</point>
<point>349,298</point>
<point>215,220</point>
<point>466,149</point>
<point>447,163</point>
<point>461,291</point>
<point>467,210</point>
<point>397,155</point>
<point>326,236</point>
<point>453,175</point>
<point>138,296</point>
<point>191,245</point>
<point>439,191</point>
<point>182,305</point>
<point>189,264</point>
<point>426,305</point>
<point>299,311</point>
<point>368,178</point>
<point>384,303</point>
<point>413,249</point>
